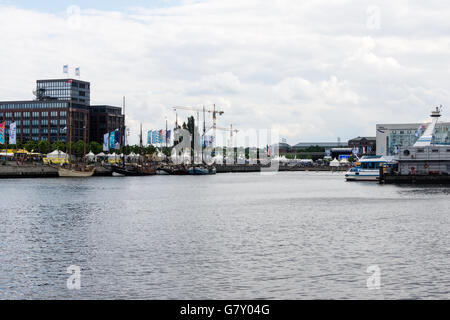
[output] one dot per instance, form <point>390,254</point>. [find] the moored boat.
<point>74,173</point>
<point>134,170</point>
<point>198,171</point>
<point>367,168</point>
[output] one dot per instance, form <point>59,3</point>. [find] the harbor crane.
<point>213,111</point>
<point>231,130</point>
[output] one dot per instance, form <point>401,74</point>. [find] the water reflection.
<point>237,236</point>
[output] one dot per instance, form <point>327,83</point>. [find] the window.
<point>435,150</point>
<point>420,150</point>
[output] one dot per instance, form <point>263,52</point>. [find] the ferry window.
<point>435,150</point>
<point>406,152</point>
<point>448,150</point>
<point>420,150</point>
<point>402,132</point>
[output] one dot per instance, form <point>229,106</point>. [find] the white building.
<point>391,137</point>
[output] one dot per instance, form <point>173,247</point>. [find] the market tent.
<point>4,153</point>
<point>56,155</point>
<point>334,163</point>
<point>90,156</point>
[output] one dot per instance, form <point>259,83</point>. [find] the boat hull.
<point>70,173</point>
<point>361,176</point>
<point>163,171</point>
<point>133,172</point>
<point>201,171</point>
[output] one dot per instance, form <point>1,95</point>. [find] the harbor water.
<point>293,235</point>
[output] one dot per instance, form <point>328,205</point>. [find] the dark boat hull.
<point>134,172</point>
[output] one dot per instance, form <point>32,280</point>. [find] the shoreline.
<point>47,171</point>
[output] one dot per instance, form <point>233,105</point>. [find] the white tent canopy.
<point>101,154</point>
<point>56,154</point>
<point>90,155</point>
<point>334,163</point>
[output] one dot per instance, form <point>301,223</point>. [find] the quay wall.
<point>27,171</point>
<point>257,168</point>
<point>40,171</point>
<point>415,179</point>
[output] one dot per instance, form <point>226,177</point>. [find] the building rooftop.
<point>360,138</point>
<point>62,80</point>
<point>320,144</point>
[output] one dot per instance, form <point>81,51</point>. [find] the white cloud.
<point>312,69</point>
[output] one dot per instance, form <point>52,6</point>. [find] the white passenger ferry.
<point>367,168</point>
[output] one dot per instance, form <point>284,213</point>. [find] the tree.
<point>59,145</point>
<point>151,149</point>
<point>95,147</point>
<point>30,146</point>
<point>44,146</point>
<point>78,147</point>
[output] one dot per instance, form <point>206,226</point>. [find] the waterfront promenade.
<point>38,170</point>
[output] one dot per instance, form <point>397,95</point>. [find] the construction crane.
<point>213,111</point>
<point>231,130</point>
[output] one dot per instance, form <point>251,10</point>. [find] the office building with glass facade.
<point>57,101</point>
<point>391,137</point>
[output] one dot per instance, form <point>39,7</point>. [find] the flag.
<point>12,133</point>
<point>69,81</point>
<point>106,142</point>
<point>77,72</point>
<point>165,136</point>
<point>117,139</point>
<point>156,136</point>
<point>208,141</point>
<point>112,141</point>
<point>418,130</point>
<point>66,69</point>
<point>149,137</point>
<point>2,133</point>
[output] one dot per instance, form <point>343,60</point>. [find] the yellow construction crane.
<point>213,111</point>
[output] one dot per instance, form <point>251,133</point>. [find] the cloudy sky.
<point>314,70</point>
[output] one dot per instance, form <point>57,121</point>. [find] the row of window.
<point>36,105</point>
<point>441,128</point>
<point>45,114</point>
<point>54,84</point>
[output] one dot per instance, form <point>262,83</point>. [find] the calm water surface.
<point>294,235</point>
